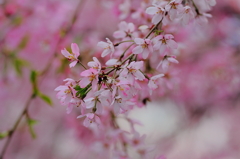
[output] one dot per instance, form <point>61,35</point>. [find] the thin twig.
<point>12,131</point>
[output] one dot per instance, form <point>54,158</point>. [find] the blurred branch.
<point>11,132</point>
<point>68,29</point>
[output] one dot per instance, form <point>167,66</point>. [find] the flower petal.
<point>72,64</point>
<point>75,49</point>
<point>137,50</point>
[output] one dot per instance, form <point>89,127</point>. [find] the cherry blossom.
<point>186,15</point>
<point>73,57</point>
<point>164,43</point>
<point>144,47</point>
<point>174,8</point>
<point>166,62</point>
<point>107,46</point>
<point>90,75</point>
<point>157,11</point>
<point>153,84</point>
<point>95,64</point>
<point>125,30</point>
<point>90,118</point>
<point>132,72</point>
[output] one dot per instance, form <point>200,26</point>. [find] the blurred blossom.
<point>169,89</point>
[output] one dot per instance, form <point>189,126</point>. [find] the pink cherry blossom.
<point>107,46</point>
<point>95,64</point>
<point>132,72</point>
<point>90,118</point>
<point>153,84</point>
<point>174,8</point>
<point>186,15</point>
<point>125,9</point>
<point>90,75</point>
<point>144,47</point>
<point>125,30</point>
<point>157,11</point>
<point>73,57</point>
<point>100,99</point>
<point>166,62</point>
<point>118,104</point>
<point>65,91</point>
<point>164,43</point>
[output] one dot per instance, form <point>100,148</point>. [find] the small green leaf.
<point>33,78</point>
<point>45,98</point>
<point>18,66</point>
<point>17,20</point>
<point>23,42</point>
<point>32,122</point>
<point>4,134</point>
<point>157,32</point>
<point>82,92</point>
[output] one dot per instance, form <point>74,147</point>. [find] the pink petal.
<point>90,115</point>
<point>139,75</point>
<point>80,116</point>
<point>102,44</point>
<point>172,44</point>
<point>84,82</point>
<point>59,88</point>
<point>72,64</point>
<point>173,60</point>
<point>75,49</point>
<point>86,73</point>
<point>91,64</point>
<point>131,27</point>
<point>119,34</point>
<point>123,26</point>
<point>152,10</point>
<point>165,65</point>
<point>65,53</point>
<point>145,53</point>
<point>105,52</point>
<point>156,18</point>
<point>138,65</point>
<point>112,62</point>
<point>139,41</point>
<point>163,48</point>
<point>69,108</point>
<point>137,50</point>
<point>86,122</point>
<point>168,7</point>
<point>168,36</point>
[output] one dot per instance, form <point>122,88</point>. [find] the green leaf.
<point>18,65</point>
<point>82,92</point>
<point>4,134</point>
<point>45,98</point>
<point>33,79</point>
<point>32,122</point>
<point>17,20</point>
<point>23,42</point>
<point>157,32</point>
<point>33,76</point>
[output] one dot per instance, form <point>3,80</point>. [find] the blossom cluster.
<point>134,68</point>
